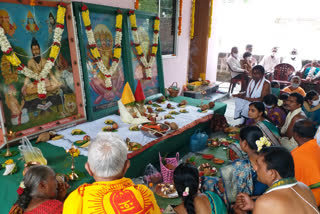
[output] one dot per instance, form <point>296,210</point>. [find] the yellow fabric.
<point>112,197</point>
<point>127,95</point>
<point>299,90</point>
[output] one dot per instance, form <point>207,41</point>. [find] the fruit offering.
<point>183,103</point>
<point>109,128</point>
<point>183,110</point>
<point>159,109</point>
<point>168,116</point>
<point>133,146</point>
<point>169,106</point>
<point>77,132</point>
<point>173,112</point>
<point>161,99</point>
<point>134,128</point>
<point>109,122</point>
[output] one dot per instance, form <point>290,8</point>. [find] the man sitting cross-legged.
<point>111,193</point>
<point>307,156</point>
<point>293,105</point>
<point>275,167</point>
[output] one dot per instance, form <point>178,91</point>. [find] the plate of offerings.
<point>168,116</point>
<point>169,106</point>
<point>77,132</point>
<point>134,128</point>
<point>166,190</point>
<point>217,161</point>
<point>173,112</point>
<point>83,143</point>
<point>206,169</point>
<point>109,122</point>
<point>112,128</point>
<point>154,129</point>
<point>159,109</point>
<point>133,146</point>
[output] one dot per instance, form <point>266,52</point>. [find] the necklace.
<point>282,184</point>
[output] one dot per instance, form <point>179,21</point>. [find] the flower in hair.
<point>21,188</point>
<point>263,141</point>
<point>186,192</point>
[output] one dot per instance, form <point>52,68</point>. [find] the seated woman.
<point>311,106</point>
<point>186,181</point>
<point>39,192</point>
<point>259,118</point>
<point>239,176</point>
<point>274,112</point>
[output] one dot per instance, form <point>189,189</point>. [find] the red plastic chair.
<point>282,72</point>
<point>243,79</point>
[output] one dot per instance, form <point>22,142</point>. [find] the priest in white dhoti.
<point>293,104</point>
<point>256,90</point>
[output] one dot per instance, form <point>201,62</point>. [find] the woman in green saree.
<point>260,119</point>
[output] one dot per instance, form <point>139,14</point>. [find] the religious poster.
<point>148,38</point>
<point>38,88</point>
<point>106,26</point>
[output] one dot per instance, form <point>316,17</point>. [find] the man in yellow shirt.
<point>111,193</point>
<point>295,87</point>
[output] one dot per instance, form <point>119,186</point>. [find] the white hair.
<point>107,154</point>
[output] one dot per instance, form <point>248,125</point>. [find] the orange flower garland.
<point>136,5</point>
<point>180,18</point>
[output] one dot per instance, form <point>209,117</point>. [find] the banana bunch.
<point>77,132</point>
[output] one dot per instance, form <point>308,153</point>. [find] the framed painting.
<point>33,101</point>
<point>101,100</point>
<point>145,28</point>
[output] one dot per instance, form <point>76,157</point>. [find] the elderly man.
<point>295,86</point>
<point>275,167</point>
<point>307,156</point>
<point>312,73</point>
<point>258,88</point>
<point>235,68</point>
<point>270,61</point>
<point>111,193</point>
<point>293,60</point>
<point>293,105</point>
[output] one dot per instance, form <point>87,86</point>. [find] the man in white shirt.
<point>235,68</point>
<point>294,60</point>
<point>269,62</point>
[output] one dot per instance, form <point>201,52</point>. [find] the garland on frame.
<point>136,5</point>
<point>39,78</point>
<point>210,18</point>
<point>192,19</point>
<point>94,50</point>
<point>154,49</point>
<point>180,17</point>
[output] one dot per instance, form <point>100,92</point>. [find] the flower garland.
<point>94,50</point>
<point>263,141</point>
<point>154,49</point>
<point>55,49</point>
<point>192,19</point>
<point>210,19</point>
<point>136,5</point>
<point>180,18</point>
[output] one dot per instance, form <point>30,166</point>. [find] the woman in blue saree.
<point>239,176</point>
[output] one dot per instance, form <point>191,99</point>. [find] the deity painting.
<point>103,26</point>
<point>9,28</point>
<point>31,26</point>
<point>145,32</point>
<point>23,107</point>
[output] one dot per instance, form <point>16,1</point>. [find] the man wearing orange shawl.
<point>307,156</point>
<point>111,193</point>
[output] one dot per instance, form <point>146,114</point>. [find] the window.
<point>168,14</point>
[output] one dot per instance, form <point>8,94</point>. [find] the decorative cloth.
<point>138,94</point>
<point>118,196</point>
<point>47,207</point>
<point>289,118</point>
<point>127,95</point>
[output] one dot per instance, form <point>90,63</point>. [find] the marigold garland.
<point>180,17</point>
<point>154,48</point>
<point>39,79</point>
<point>136,5</point>
<point>192,19</point>
<point>94,50</point>
<point>210,18</point>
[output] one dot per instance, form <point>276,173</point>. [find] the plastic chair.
<point>282,73</point>
<point>242,78</point>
